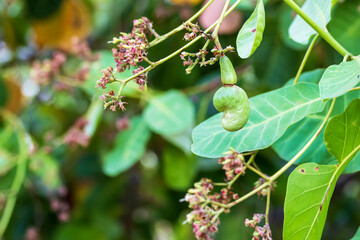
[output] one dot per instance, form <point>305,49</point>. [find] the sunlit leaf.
<point>170,113</point>
<point>250,34</point>
<point>130,145</point>
<point>342,134</point>
<point>319,11</point>
<point>338,79</point>
<point>308,193</point>
<point>297,135</point>
<point>270,115</point>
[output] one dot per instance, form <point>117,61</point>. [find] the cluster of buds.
<point>113,101</point>
<point>76,135</point>
<point>263,192</point>
<point>131,49</point>
<point>43,72</point>
<point>206,207</point>
<point>192,59</point>
<point>260,232</point>
<point>59,205</point>
<point>233,164</point>
<point>194,30</point>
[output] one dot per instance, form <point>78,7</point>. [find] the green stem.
<point>308,144</point>
<point>323,33</point>
<point>267,206</point>
<point>354,89</point>
<point>247,164</point>
<point>179,28</point>
<point>307,54</point>
<point>216,30</point>
<point>181,49</point>
<point>19,174</point>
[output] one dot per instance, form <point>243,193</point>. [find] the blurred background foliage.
<point>125,179</point>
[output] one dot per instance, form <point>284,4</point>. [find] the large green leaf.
<point>130,145</point>
<point>178,169</point>
<point>308,193</point>
<point>270,115</point>
<point>342,134</point>
<point>310,186</point>
<point>319,11</point>
<point>297,135</point>
<point>250,34</point>
<point>169,114</point>
<point>345,25</point>
<point>357,235</point>
<point>338,79</point>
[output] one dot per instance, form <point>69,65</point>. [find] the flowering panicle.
<point>192,59</point>
<point>263,192</point>
<point>233,164</point>
<point>108,77</point>
<point>263,233</point>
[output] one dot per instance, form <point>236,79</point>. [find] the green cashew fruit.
<point>233,101</point>
<point>228,74</point>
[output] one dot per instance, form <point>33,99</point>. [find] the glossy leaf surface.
<point>319,11</point>
<point>270,115</point>
<point>250,34</point>
<point>297,135</point>
<point>308,195</point>
<point>170,113</point>
<point>338,79</point>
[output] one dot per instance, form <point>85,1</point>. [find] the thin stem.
<point>179,28</point>
<point>323,33</point>
<point>249,194</point>
<point>307,54</point>
<point>247,164</point>
<point>307,145</point>
<point>216,30</point>
<point>267,206</point>
<point>256,171</point>
<point>354,89</point>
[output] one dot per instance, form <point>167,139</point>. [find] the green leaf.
<point>270,115</point>
<point>319,11</point>
<point>170,113</point>
<point>178,169</point>
<point>250,34</point>
<point>297,135</point>
<point>182,140</point>
<point>338,79</point>
<point>342,134</point>
<point>93,116</point>
<point>357,235</point>
<point>308,193</point>
<point>310,186</point>
<point>345,25</point>
<point>130,145</point>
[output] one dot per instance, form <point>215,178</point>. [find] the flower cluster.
<point>43,72</point>
<point>192,59</point>
<point>206,207</point>
<point>130,50</point>
<point>76,135</point>
<point>233,164</point>
<point>263,192</point>
<point>194,31</point>
<point>260,232</point>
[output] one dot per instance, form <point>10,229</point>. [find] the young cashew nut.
<point>233,101</point>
